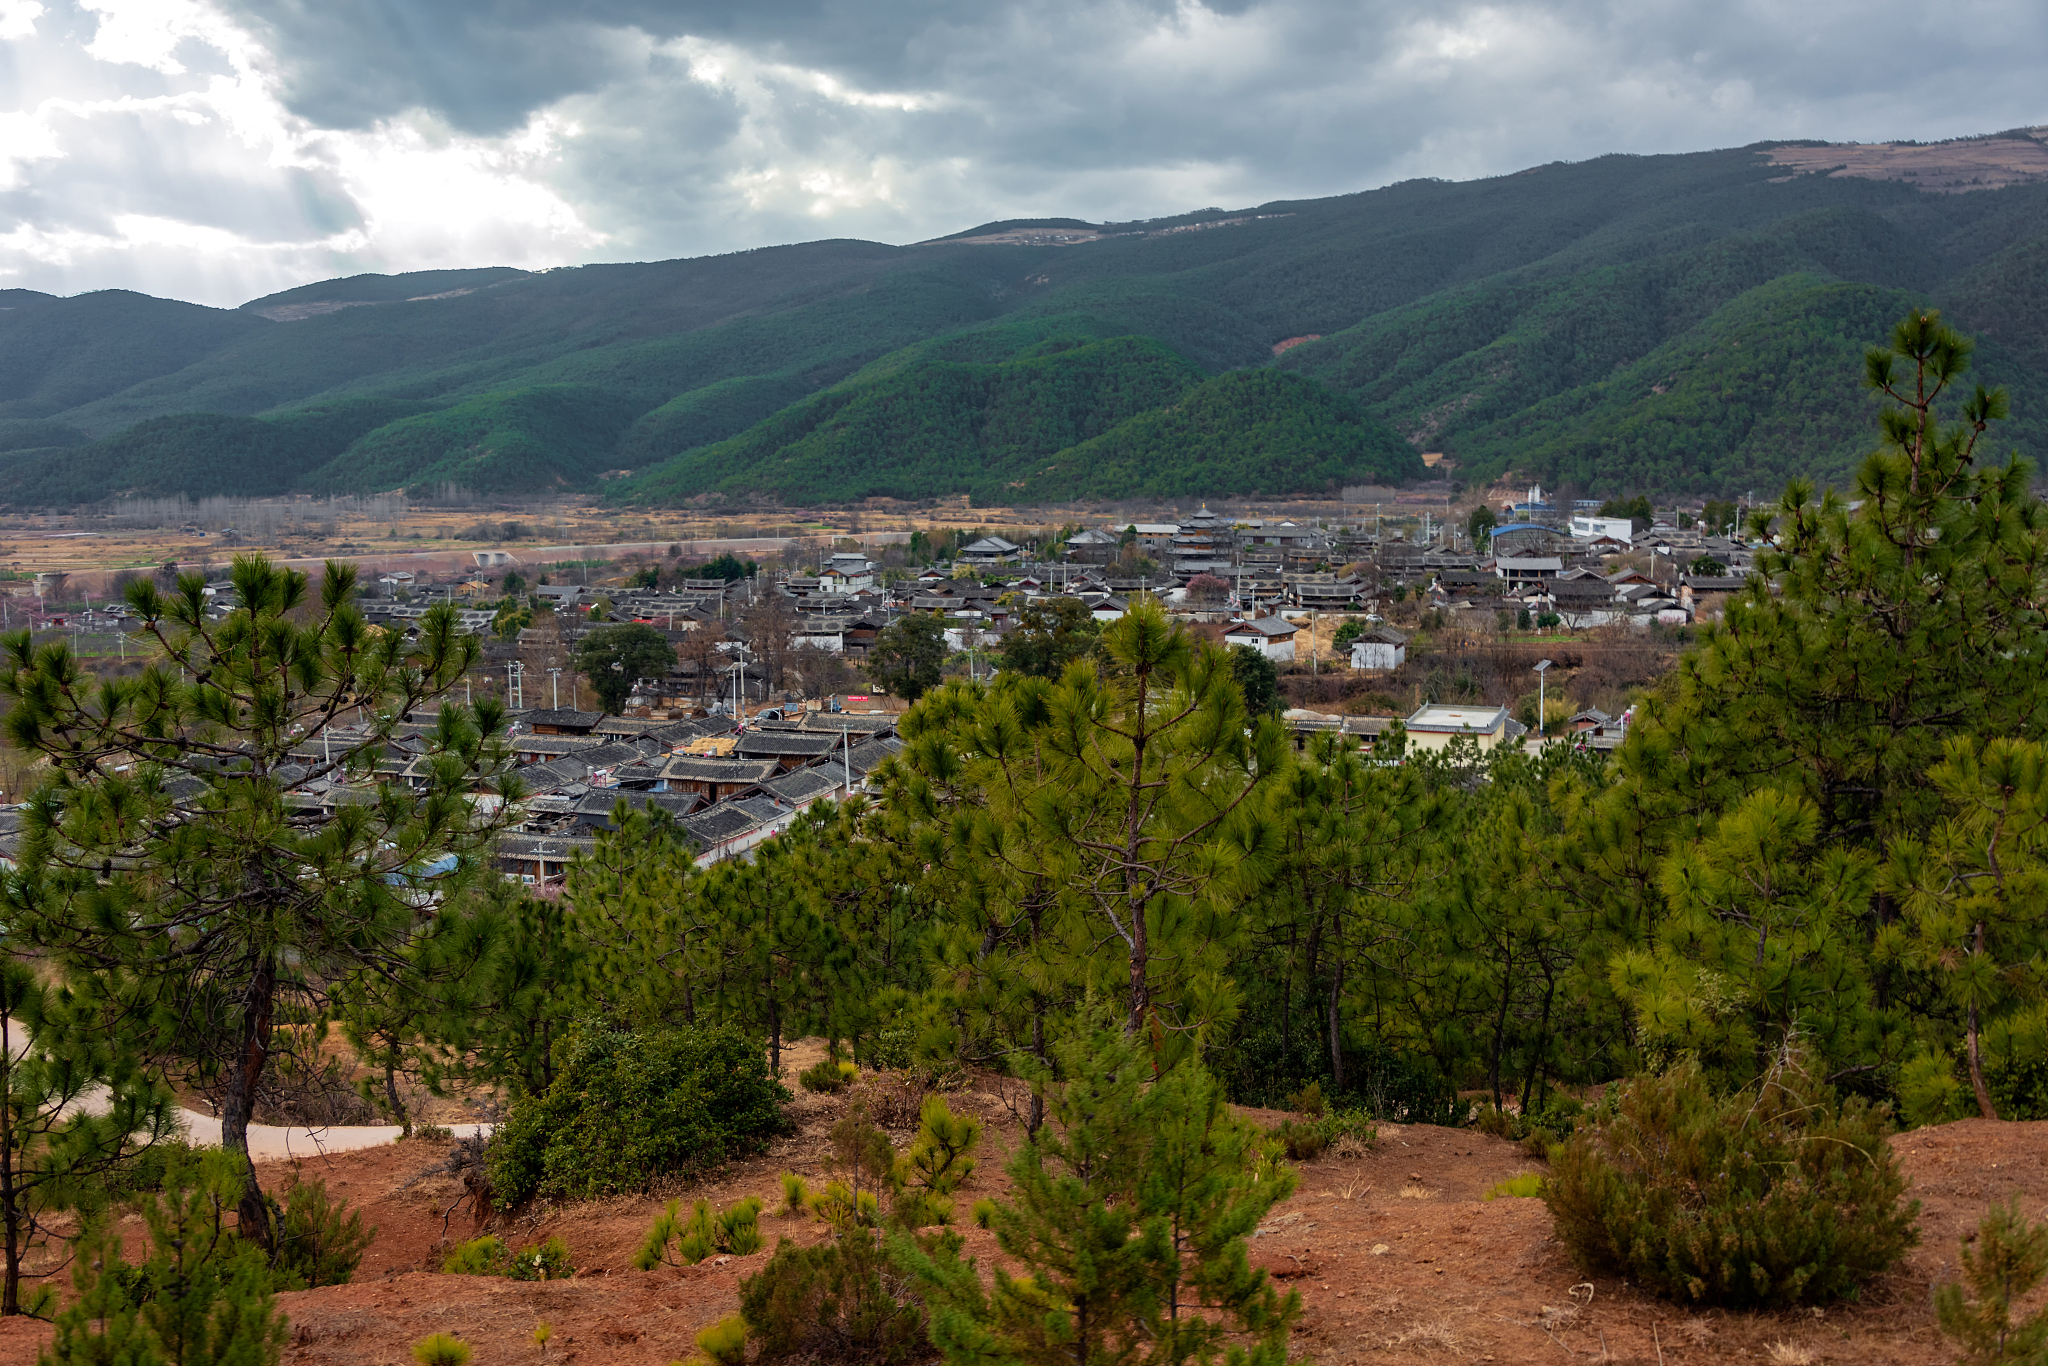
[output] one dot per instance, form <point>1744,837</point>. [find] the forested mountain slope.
<point>1676,323</point>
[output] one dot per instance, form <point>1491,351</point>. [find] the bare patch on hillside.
<point>1958,167</point>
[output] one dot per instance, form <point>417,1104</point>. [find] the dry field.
<point>93,546</point>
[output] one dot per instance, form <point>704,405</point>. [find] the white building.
<point>1593,528</point>
<point>1381,648</point>
<point>1434,725</point>
<point>848,572</point>
<point>1272,637</point>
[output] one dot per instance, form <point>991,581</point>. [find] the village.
<point>765,710</point>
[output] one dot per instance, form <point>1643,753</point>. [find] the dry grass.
<point>1415,1190</point>
<point>1789,1354</point>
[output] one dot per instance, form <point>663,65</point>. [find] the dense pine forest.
<point>1680,323</point>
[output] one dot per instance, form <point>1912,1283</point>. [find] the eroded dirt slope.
<point>1396,1254</point>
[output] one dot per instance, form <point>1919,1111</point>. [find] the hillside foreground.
<point>1396,1254</point>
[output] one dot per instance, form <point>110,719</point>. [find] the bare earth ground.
<point>1942,167</point>
<point>1396,1255</point>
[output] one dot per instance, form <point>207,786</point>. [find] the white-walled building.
<point>1272,637</point>
<point>1381,648</point>
<point>1593,528</point>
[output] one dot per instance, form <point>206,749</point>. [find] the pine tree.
<point>56,1149</point>
<point>1129,1213</point>
<point>172,864</point>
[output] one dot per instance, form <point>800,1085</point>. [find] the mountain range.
<point>1682,324</point>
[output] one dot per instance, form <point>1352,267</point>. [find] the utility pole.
<point>1542,669</point>
<point>555,689</point>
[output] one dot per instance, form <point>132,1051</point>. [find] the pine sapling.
<point>2010,1258</point>
<point>440,1349</point>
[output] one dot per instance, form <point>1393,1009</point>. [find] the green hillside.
<point>522,441</point>
<point>928,428</point>
<point>1247,432</point>
<point>1669,322</point>
<point>201,455</point>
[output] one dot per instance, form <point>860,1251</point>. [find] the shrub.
<point>984,1213</point>
<point>1304,1140</point>
<point>2009,1260</point>
<point>1766,1198</point>
<point>1537,1130</point>
<point>831,1074</point>
<point>544,1261</point>
<point>439,1349</point>
<point>796,1195</point>
<point>680,1242</point>
<point>1301,1139</point>
<point>626,1108</point>
<point>1308,1101</point>
<point>892,1049</point>
<point>320,1241</point>
<point>724,1343</point>
<point>838,1301</point>
<point>487,1256</point>
<point>1527,1186</point>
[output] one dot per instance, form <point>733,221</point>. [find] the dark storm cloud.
<point>614,129</point>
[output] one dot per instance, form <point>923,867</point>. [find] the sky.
<point>219,150</point>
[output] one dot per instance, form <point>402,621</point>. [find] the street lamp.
<point>1542,668</point>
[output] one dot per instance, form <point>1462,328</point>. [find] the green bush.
<point>1762,1199</point>
<point>1538,1129</point>
<point>627,1108</point>
<point>320,1241</point>
<point>440,1349</point>
<point>487,1256</point>
<point>831,1074</point>
<point>2009,1260</point>
<point>685,1242</point>
<point>796,1194</point>
<point>892,1050</point>
<point>1304,1140</point>
<point>724,1343</point>
<point>544,1261</point>
<point>984,1213</point>
<point>1527,1186</point>
<point>839,1301</point>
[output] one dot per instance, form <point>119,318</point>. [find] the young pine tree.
<point>2009,1260</point>
<point>202,1299</point>
<point>1130,1211</point>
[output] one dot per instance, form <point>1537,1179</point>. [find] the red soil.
<point>1396,1255</point>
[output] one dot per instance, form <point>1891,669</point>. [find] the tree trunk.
<point>1542,1045</point>
<point>1037,1119</point>
<point>1984,1105</point>
<point>391,1095</point>
<point>10,1198</point>
<point>251,1054</point>
<point>1336,1023</point>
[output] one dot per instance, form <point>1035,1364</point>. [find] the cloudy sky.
<point>215,150</point>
